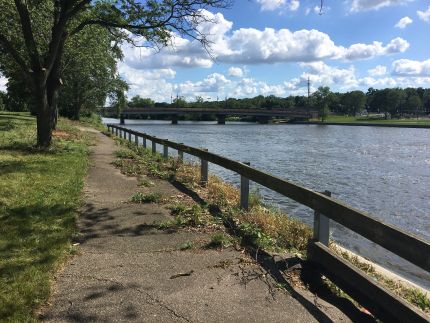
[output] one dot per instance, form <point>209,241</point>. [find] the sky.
<point>272,47</point>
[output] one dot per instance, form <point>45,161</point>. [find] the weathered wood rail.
<point>380,301</point>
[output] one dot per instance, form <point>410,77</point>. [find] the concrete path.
<point>126,269</point>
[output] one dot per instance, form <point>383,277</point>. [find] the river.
<point>383,171</point>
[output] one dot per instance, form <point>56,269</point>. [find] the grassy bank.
<point>358,120</point>
<point>40,192</point>
<point>260,227</point>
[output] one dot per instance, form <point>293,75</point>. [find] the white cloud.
<point>320,73</point>
<point>365,5</point>
<point>383,82</point>
<point>424,15</point>
<point>403,22</point>
<point>407,67</point>
<point>364,51</point>
<point>213,83</point>
<point>379,70</point>
<point>317,9</point>
<point>293,5</point>
<point>235,71</point>
<point>253,46</point>
<point>271,5</point>
<point>249,87</point>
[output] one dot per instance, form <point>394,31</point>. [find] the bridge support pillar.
<point>121,119</point>
<point>174,119</point>
<point>264,119</point>
<point>221,118</point>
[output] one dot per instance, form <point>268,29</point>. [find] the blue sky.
<point>271,47</point>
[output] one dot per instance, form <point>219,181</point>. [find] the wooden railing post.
<point>136,140</point>
<point>129,136</point>
<point>144,142</point>
<point>116,132</point>
<point>165,152</point>
<point>244,191</point>
<point>154,147</point>
<point>204,171</point>
<point>322,225</point>
<point>181,153</point>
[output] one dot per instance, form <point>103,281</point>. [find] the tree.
<point>89,72</point>
<point>139,102</point>
<point>179,102</point>
<point>34,33</point>
<point>354,102</point>
<point>322,99</point>
<point>2,101</point>
<point>414,104</point>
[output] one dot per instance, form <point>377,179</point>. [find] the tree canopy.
<point>35,35</point>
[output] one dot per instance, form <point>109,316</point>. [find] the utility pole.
<point>309,87</point>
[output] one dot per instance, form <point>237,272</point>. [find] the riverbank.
<point>368,122</point>
<point>40,194</point>
<point>260,226</point>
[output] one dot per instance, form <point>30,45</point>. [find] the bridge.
<point>263,116</point>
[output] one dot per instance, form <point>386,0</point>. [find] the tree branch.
<point>7,46</point>
<point>27,32</point>
<point>78,7</point>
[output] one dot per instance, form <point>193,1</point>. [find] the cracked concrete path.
<point>124,267</point>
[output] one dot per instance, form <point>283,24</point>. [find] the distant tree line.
<point>385,103</point>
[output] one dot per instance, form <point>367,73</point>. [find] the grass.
<point>412,295</point>
<point>187,216</point>
<point>370,119</point>
<point>187,245</point>
<point>220,240</point>
<point>154,197</point>
<point>93,120</point>
<point>39,193</point>
<point>261,227</point>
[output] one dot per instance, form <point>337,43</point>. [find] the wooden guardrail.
<point>380,301</point>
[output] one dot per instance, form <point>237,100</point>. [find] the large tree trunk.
<point>46,105</point>
<point>44,118</point>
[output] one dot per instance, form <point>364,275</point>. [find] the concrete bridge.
<point>263,116</point>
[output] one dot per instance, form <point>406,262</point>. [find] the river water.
<point>383,171</point>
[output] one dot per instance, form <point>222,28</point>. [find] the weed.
<point>255,198</point>
<point>125,154</point>
<point>194,216</point>
<point>144,182</point>
<point>187,245</point>
<point>412,295</point>
<point>254,235</point>
<point>220,240</point>
<point>418,298</point>
<point>139,197</point>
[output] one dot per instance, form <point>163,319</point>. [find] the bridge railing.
<point>380,301</point>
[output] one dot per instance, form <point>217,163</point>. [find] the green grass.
<point>39,193</point>
<point>350,119</point>
<point>220,240</point>
<point>93,120</point>
<point>154,197</point>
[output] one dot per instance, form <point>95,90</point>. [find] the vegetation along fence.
<point>380,301</point>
